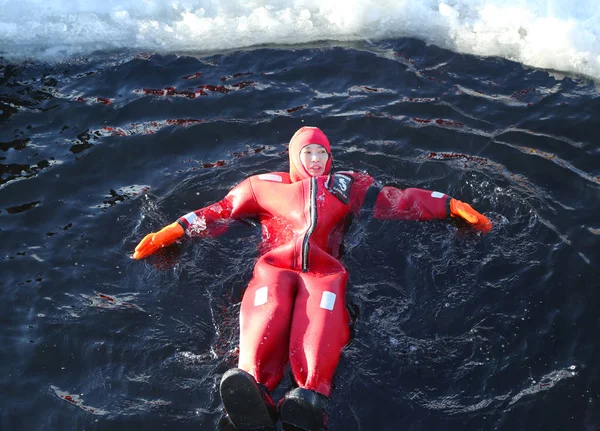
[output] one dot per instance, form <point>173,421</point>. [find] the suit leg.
<point>265,319</point>
<point>320,330</point>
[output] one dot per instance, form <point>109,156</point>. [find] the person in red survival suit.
<point>294,307</point>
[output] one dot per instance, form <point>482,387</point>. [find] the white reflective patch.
<point>437,195</point>
<point>191,217</point>
<point>270,177</point>
<point>260,298</point>
<point>328,300</point>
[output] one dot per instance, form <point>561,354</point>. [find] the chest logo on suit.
<point>340,186</point>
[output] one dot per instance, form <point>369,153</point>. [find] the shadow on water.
<point>451,329</point>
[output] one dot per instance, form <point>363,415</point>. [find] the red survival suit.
<point>294,306</point>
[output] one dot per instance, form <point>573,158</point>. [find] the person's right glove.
<point>153,241</point>
<point>467,213</point>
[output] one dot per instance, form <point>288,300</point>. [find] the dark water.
<point>451,330</point>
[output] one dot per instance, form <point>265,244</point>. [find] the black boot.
<point>304,409</point>
<point>246,402</point>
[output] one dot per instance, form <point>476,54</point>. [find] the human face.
<point>314,159</point>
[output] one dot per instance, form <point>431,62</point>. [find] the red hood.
<point>303,137</point>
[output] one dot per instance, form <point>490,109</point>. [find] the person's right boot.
<point>304,409</point>
<point>247,403</point>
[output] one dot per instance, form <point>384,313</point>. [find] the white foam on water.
<point>553,34</point>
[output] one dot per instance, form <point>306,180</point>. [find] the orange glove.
<point>153,241</point>
<point>466,212</point>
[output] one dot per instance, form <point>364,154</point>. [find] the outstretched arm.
<point>419,204</point>
<point>239,202</point>
<point>389,202</point>
<point>410,204</point>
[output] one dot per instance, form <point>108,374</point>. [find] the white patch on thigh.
<point>260,297</point>
<point>328,300</point>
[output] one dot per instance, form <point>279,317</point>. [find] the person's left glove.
<point>466,212</point>
<point>153,241</point>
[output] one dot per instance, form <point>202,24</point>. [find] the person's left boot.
<point>304,409</point>
<point>247,403</point>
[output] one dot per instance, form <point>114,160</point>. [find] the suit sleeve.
<point>214,219</point>
<point>369,197</point>
<point>411,204</point>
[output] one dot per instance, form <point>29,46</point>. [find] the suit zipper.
<point>313,223</point>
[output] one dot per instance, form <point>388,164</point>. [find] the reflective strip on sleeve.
<point>191,217</point>
<point>328,300</point>
<point>437,195</point>
<point>270,177</point>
